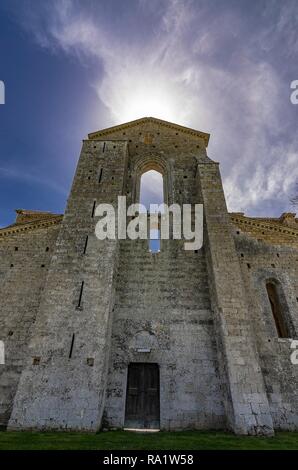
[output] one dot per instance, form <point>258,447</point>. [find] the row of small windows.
<point>242,255</point>
<point>136,146</point>
<point>266,227</point>
<point>140,133</point>
<point>42,265</point>
<point>147,139</point>
<point>249,265</point>
<point>16,248</point>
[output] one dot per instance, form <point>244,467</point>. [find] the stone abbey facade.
<point>106,334</point>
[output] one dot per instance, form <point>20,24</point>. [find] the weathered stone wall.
<point>166,296</point>
<point>261,262</point>
<point>24,262</point>
<point>246,403</point>
<point>64,386</point>
<point>204,314</point>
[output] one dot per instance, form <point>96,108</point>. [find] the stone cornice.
<point>144,120</point>
<point>271,230</point>
<point>29,226</point>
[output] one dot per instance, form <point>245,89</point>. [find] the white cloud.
<point>151,190</point>
<point>21,174</point>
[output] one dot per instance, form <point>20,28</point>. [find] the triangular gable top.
<point>109,130</point>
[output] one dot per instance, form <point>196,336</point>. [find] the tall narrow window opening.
<point>277,313</point>
<point>151,192</point>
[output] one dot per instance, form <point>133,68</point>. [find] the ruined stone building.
<point>106,333</point>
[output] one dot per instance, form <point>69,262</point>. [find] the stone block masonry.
<point>105,333</point>
<point>63,390</point>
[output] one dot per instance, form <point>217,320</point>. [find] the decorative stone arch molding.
<point>157,163</point>
<point>144,340</point>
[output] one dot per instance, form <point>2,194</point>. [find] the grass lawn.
<point>125,440</point>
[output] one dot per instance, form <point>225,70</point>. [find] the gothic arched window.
<point>152,192</point>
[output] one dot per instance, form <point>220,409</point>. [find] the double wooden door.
<point>142,396</point>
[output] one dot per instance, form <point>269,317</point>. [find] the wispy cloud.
<point>209,67</point>
<point>20,174</point>
<point>151,190</point>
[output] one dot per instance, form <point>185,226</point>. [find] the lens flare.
<point>135,96</point>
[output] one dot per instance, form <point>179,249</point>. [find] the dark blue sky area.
<point>48,111</point>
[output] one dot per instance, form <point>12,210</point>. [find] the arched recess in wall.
<point>163,174</point>
<point>279,308</point>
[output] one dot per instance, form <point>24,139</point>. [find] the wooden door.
<point>142,396</point>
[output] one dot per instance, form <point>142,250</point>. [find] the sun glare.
<point>148,104</point>
<point>157,98</point>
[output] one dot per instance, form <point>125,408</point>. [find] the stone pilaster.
<point>63,384</point>
<point>246,403</point>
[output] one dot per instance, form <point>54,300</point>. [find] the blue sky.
<point>222,66</point>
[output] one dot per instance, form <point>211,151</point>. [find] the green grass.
<point>122,440</point>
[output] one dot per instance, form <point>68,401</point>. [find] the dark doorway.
<point>142,396</point>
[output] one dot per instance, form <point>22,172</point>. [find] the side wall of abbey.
<point>25,257</point>
<point>270,255</point>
